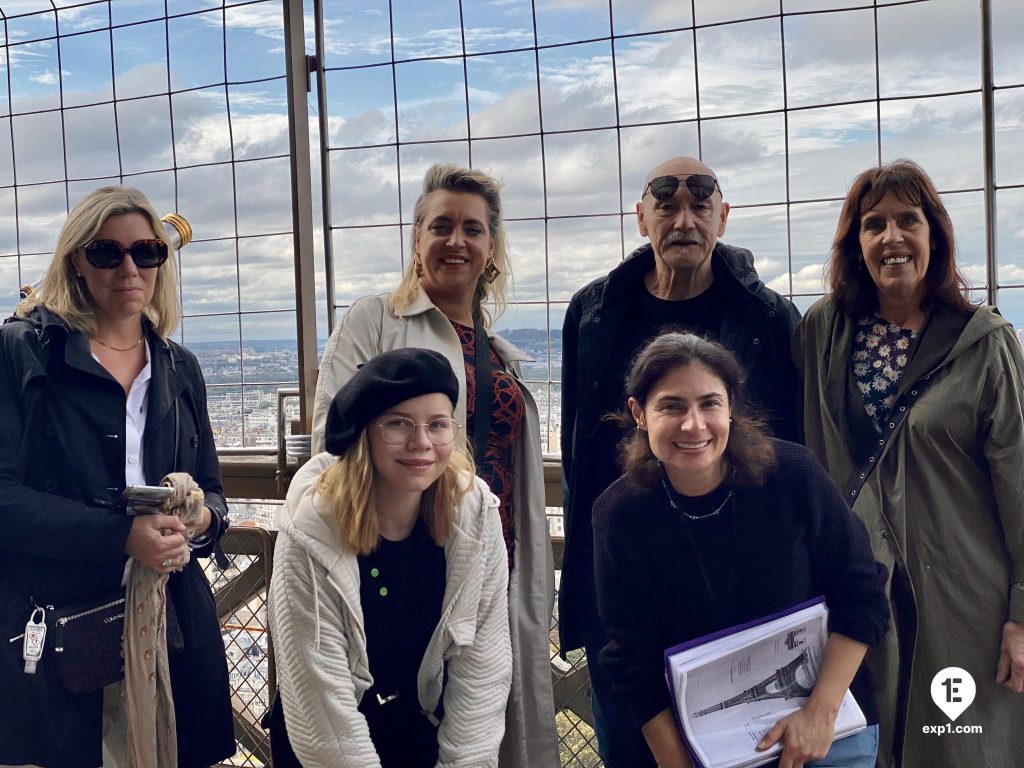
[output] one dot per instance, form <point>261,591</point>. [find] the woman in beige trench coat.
<point>913,401</point>
<point>452,288</point>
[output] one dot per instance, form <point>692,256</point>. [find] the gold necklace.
<point>118,349</point>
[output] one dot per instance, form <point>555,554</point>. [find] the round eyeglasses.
<point>398,429</point>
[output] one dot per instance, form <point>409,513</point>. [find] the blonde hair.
<point>67,296</point>
<point>347,487</point>
<point>453,178</point>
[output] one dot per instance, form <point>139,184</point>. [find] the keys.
<point>35,638</point>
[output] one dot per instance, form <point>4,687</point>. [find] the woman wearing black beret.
<point>389,605</point>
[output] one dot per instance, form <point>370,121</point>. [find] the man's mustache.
<point>682,238</point>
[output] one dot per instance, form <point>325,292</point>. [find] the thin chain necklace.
<point>672,503</point>
<point>129,348</point>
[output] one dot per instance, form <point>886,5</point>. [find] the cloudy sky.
<point>787,108</point>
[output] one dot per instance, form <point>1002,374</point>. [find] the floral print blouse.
<point>880,354</point>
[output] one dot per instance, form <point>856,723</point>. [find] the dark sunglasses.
<point>700,185</point>
<point>108,254</point>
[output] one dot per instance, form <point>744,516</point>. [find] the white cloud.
<point>264,19</point>
<point>46,78</point>
<point>808,279</point>
<point>514,112</point>
<point>1008,273</point>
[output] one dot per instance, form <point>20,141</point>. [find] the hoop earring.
<point>491,271</point>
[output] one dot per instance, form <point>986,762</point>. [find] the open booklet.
<point>731,687</point>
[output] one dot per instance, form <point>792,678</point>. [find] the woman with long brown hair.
<point>914,402</point>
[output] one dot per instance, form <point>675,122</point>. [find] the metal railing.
<point>240,593</point>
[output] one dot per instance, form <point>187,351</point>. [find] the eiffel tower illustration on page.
<point>781,685</point>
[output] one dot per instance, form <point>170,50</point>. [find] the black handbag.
<point>88,643</point>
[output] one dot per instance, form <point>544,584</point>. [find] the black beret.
<point>383,382</point>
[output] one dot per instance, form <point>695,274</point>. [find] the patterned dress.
<point>507,414</point>
<point>881,351</point>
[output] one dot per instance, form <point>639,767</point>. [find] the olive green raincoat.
<point>943,502</point>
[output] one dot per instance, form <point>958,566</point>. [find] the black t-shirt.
<point>401,588</point>
<point>647,317</point>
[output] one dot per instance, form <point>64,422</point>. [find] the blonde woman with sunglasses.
<point>94,396</point>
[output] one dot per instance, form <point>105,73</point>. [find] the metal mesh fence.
<point>577,744</point>
<point>240,592</point>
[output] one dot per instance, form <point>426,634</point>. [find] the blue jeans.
<point>857,751</point>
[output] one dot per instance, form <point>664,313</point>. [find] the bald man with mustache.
<point>683,278</point>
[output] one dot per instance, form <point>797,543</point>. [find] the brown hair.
<point>749,451</point>
<point>851,286</point>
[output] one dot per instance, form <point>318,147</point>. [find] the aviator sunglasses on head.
<point>700,185</point>
<point>108,254</point>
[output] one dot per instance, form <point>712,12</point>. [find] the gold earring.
<point>418,268</point>
<point>491,271</point>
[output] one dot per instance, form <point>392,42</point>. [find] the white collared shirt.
<point>136,407</point>
<point>134,428</point>
<point>135,424</point>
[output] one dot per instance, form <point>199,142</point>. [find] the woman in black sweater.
<point>715,524</point>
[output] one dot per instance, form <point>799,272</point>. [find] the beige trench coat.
<point>944,508</point>
<point>370,328</point>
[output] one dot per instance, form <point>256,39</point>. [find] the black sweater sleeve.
<point>629,603</point>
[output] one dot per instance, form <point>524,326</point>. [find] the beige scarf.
<point>147,684</point>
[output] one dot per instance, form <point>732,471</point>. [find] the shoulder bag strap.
<point>484,397</point>
<point>899,412</point>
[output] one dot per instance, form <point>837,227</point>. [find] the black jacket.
<point>757,326</point>
<point>62,536</point>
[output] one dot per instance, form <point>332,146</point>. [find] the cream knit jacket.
<point>320,644</point>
